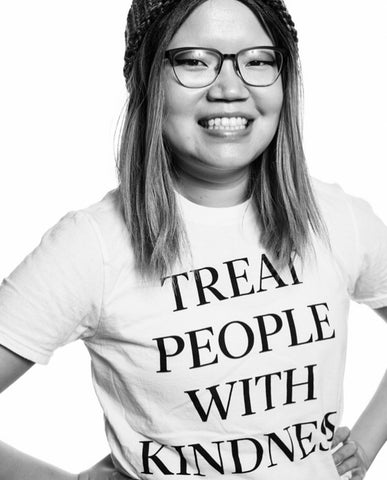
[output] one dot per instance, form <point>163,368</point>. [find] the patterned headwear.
<point>143,13</point>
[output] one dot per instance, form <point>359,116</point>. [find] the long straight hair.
<point>279,182</point>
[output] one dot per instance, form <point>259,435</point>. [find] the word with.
<point>246,391</point>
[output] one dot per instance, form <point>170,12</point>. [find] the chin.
<point>231,159</point>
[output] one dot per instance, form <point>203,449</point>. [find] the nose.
<point>228,86</point>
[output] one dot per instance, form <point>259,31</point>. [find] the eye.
<point>189,62</point>
<point>258,59</point>
<point>260,63</point>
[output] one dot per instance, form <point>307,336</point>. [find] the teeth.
<point>226,123</point>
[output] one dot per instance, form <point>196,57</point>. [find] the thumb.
<point>341,436</point>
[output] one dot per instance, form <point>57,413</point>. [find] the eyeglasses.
<point>199,67</point>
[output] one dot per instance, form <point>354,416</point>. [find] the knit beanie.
<point>143,13</point>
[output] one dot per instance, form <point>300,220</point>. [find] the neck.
<point>222,192</point>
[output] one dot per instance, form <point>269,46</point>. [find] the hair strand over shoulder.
<point>280,185</point>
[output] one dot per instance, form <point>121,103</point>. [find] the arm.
<point>360,446</point>
<point>370,430</point>
<point>15,465</point>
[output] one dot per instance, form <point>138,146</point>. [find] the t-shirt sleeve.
<point>54,296</point>
<point>371,237</point>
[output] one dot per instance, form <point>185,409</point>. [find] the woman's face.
<point>215,154</point>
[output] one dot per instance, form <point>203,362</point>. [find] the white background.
<point>61,93</point>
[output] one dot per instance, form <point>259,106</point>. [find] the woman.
<point>235,366</point>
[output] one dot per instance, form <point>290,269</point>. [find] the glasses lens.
<point>195,68</point>
<point>260,67</point>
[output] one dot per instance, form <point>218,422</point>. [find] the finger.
<point>348,465</point>
<point>346,451</point>
<point>341,435</point>
<point>347,476</point>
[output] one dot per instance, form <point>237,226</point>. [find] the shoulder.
<point>335,208</point>
<point>340,209</point>
<point>106,218</point>
<point>107,209</point>
<point>84,234</point>
<point>357,236</point>
<point>329,195</point>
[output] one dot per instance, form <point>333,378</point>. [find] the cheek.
<point>178,100</point>
<point>178,121</point>
<point>176,130</point>
<point>269,105</point>
<point>269,101</point>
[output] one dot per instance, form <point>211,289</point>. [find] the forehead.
<point>227,25</point>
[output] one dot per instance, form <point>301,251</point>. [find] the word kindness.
<point>256,395</point>
<point>241,455</point>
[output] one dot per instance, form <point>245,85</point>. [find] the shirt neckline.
<point>213,215</point>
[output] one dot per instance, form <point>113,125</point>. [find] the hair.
<point>279,183</point>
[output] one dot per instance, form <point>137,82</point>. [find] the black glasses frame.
<point>170,55</point>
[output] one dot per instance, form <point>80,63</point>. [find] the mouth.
<point>228,124</point>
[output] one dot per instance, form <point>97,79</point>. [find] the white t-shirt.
<point>225,368</point>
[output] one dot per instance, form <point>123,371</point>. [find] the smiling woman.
<point>222,153</point>
<point>213,166</point>
<point>212,287</point>
<point>199,30</point>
